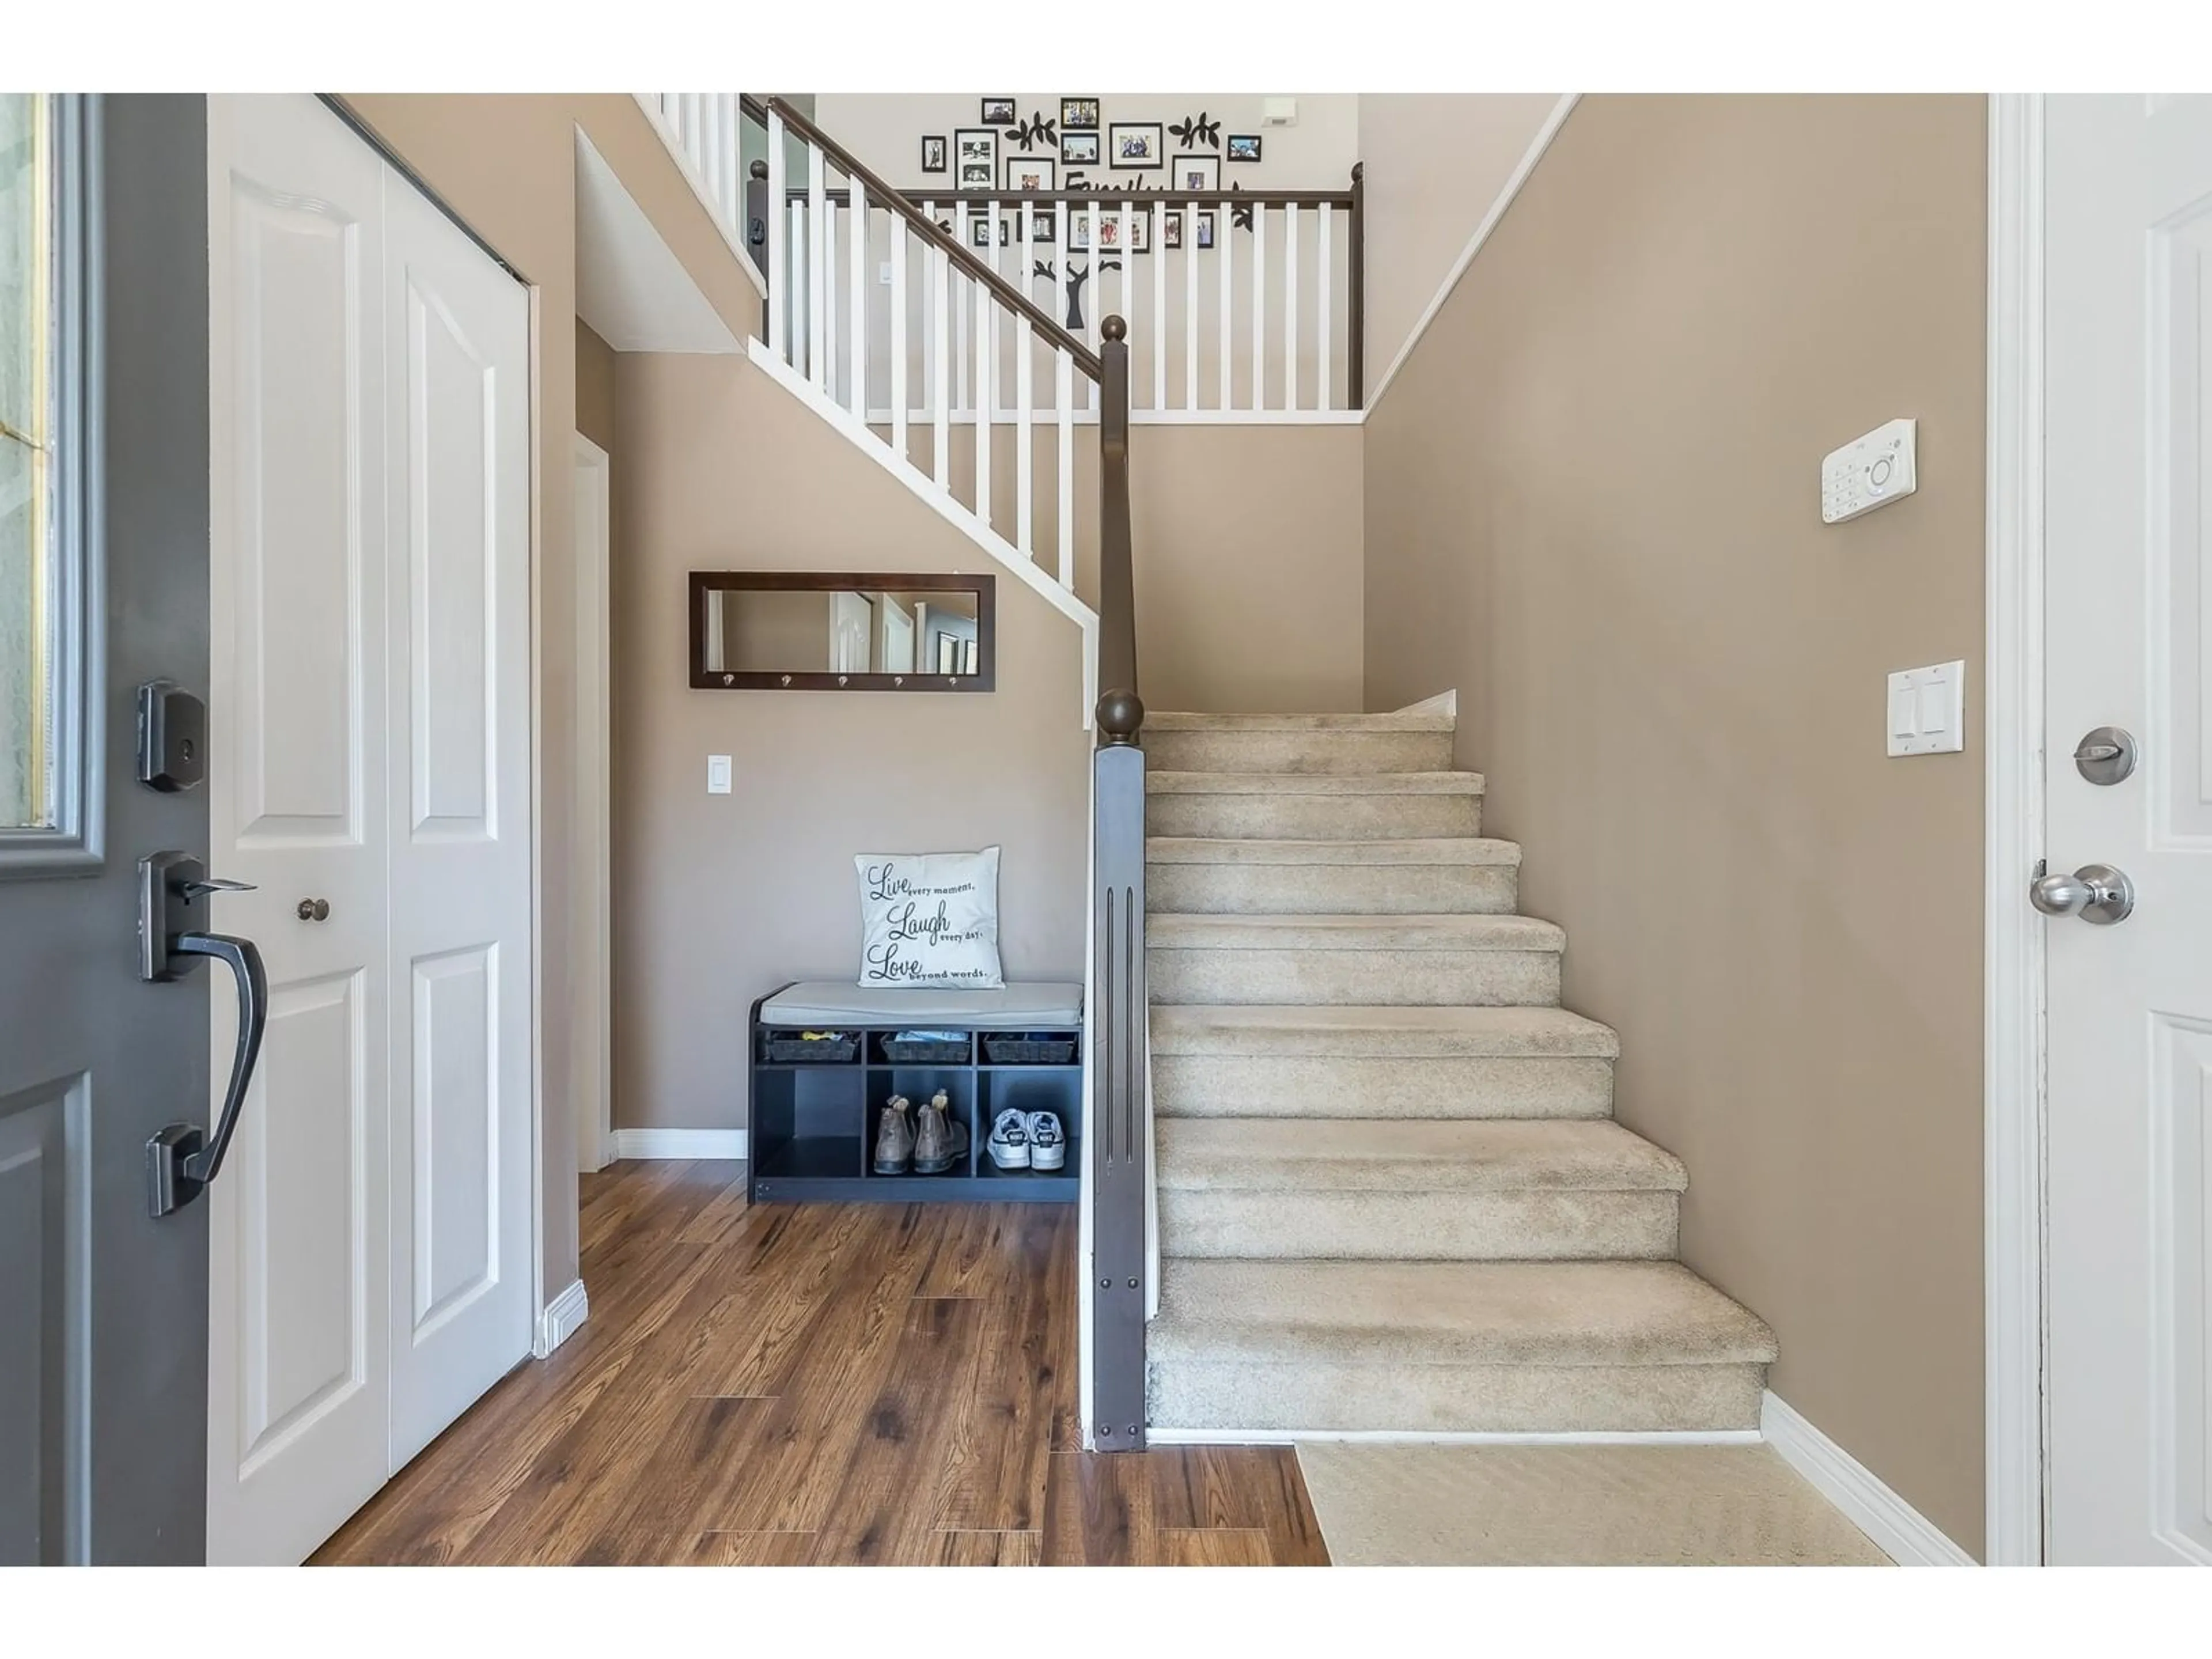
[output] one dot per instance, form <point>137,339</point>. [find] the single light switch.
<point>718,775</point>
<point>1928,710</point>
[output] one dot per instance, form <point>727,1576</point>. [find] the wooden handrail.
<point>894,201</point>
<point>1120,712</point>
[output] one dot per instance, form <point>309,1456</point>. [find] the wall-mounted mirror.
<point>832,631</point>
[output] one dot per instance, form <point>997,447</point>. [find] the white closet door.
<point>457,814</point>
<point>299,1399</point>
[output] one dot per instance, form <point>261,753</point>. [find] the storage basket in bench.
<point>1029,1048</point>
<point>791,1048</point>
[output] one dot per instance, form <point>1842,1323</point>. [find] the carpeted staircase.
<point>1391,1194</point>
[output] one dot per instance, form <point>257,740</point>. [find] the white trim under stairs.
<point>679,1143</point>
<point>1906,1536</point>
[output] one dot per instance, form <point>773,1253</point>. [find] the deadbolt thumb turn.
<point>2097,893</point>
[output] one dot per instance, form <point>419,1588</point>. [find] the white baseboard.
<point>1906,1536</point>
<point>1159,1437</point>
<point>679,1143</point>
<point>1445,703</point>
<point>563,1316</point>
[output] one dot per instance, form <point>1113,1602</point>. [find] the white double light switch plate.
<point>1928,710</point>
<point>1869,472</point>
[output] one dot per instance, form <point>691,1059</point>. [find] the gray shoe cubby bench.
<point>815,1104</point>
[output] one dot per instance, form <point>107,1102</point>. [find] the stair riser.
<point>1313,817</point>
<point>1332,889</point>
<point>1322,1085</point>
<point>1376,1226</point>
<point>1480,979</point>
<point>1188,1393</point>
<point>1340,753</point>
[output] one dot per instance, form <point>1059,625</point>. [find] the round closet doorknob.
<point>313,910</point>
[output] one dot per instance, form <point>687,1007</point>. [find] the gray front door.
<point>103,585</point>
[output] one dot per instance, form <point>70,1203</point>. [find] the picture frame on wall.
<point>979,232</point>
<point>1173,227</point>
<point>1190,171</point>
<point>1079,149</point>
<point>999,113</point>
<point>1136,146</point>
<point>933,154</point>
<point>1244,147</point>
<point>976,153</point>
<point>1109,230</point>
<point>1031,173</point>
<point>1079,114</point>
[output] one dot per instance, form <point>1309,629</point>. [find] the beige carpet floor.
<point>1431,1505</point>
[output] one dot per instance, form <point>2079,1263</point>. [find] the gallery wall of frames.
<point>1235,311</point>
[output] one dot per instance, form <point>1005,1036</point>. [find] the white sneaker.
<point>1048,1142</point>
<point>1009,1140</point>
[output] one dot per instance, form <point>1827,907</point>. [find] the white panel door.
<point>457,817</point>
<point>298,1431</point>
<point>2128,505</point>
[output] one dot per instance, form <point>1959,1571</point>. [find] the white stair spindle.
<point>897,228</point>
<point>1259,307</point>
<point>817,266</point>
<point>1063,216</point>
<point>1096,282</point>
<point>1325,325</point>
<point>940,305</point>
<point>1291,306</point>
<point>779,244</point>
<point>802,326</point>
<point>1128,259</point>
<point>833,298</point>
<point>1224,340</point>
<point>963,227</point>
<point>985,309</point>
<point>1190,305</point>
<point>1024,371</point>
<point>858,196</point>
<point>1064,400</point>
<point>1159,319</point>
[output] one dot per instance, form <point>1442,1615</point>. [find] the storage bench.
<point>815,1104</point>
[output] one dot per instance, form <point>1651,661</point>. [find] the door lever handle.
<point>182,1159</point>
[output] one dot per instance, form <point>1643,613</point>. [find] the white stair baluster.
<point>1096,282</point>
<point>1259,307</point>
<point>985,309</point>
<point>1291,306</point>
<point>1189,304</point>
<point>1064,399</point>
<point>802,295</point>
<point>1224,341</point>
<point>817,264</point>
<point>1128,260</point>
<point>1325,324</point>
<point>779,244</point>
<point>1159,319</point>
<point>857,197</point>
<point>940,305</point>
<point>833,297</point>
<point>897,228</point>
<point>1024,367</point>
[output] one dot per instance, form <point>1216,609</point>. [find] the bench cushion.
<point>830,1005</point>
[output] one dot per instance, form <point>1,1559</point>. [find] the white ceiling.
<point>631,288</point>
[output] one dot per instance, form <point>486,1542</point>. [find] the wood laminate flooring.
<point>818,1385</point>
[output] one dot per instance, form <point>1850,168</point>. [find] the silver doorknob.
<point>2096,892</point>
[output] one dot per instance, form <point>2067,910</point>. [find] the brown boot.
<point>894,1138</point>
<point>940,1140</point>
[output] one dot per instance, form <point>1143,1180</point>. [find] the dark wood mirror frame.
<point>704,582</point>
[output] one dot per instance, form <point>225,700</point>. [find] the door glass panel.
<point>26,653</point>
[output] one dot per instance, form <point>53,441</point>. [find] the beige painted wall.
<point>722,898</point>
<point>507,164</point>
<point>1591,506</point>
<point>1245,543</point>
<point>1436,161</point>
<point>595,387</point>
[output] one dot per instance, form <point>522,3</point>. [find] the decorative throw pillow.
<point>930,919</point>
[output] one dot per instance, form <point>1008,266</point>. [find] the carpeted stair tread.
<point>1549,1314</point>
<point>1366,932</point>
<point>1311,1155</point>
<point>1436,849</point>
<point>1165,783</point>
<point>1386,1033</point>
